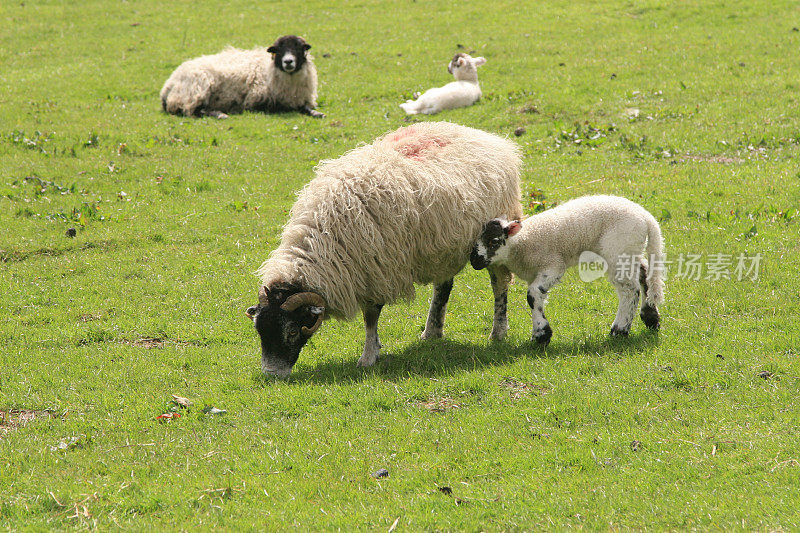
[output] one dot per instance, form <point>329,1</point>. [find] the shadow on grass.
<point>444,356</point>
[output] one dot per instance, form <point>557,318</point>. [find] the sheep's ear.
<point>513,228</point>
<point>251,312</point>
<point>272,49</point>
<point>478,61</point>
<point>306,47</point>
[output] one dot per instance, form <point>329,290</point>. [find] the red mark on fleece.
<point>414,144</point>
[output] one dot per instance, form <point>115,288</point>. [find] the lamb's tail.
<point>656,268</point>
<point>410,107</point>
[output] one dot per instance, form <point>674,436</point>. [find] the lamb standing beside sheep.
<point>279,78</point>
<point>463,92</point>
<point>542,247</point>
<point>405,209</point>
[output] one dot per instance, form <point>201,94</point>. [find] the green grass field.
<point>689,109</point>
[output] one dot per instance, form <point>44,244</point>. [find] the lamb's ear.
<point>272,49</point>
<point>478,61</point>
<point>306,47</point>
<point>513,227</point>
<point>251,312</point>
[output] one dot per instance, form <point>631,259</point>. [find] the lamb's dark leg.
<point>649,314</point>
<point>624,282</point>
<point>537,295</point>
<point>501,279</point>
<point>372,346</point>
<point>308,110</point>
<point>435,322</point>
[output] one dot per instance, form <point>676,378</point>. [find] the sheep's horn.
<point>263,298</point>
<point>305,298</point>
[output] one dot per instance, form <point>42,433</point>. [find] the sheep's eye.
<point>294,332</point>
<point>495,241</point>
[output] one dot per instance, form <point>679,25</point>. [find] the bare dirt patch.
<point>519,389</point>
<point>154,342</point>
<point>17,418</point>
<point>438,405</point>
<point>712,159</point>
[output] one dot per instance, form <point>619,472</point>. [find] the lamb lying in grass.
<point>463,92</point>
<point>542,247</point>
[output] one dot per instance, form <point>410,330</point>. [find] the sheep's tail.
<point>656,271</point>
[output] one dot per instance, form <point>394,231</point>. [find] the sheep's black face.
<point>491,245</point>
<point>285,323</point>
<point>289,53</point>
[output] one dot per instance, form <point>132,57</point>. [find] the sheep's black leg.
<point>649,314</point>
<point>501,279</point>
<point>213,113</point>
<point>308,110</point>
<point>372,346</point>
<point>537,295</point>
<point>435,322</point>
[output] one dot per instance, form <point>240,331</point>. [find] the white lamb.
<point>540,248</point>
<point>463,92</point>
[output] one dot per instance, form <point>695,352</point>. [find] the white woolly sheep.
<point>405,209</point>
<point>463,92</point>
<point>540,248</point>
<point>279,78</point>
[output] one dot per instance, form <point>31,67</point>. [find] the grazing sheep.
<point>463,92</point>
<point>405,209</point>
<point>280,78</point>
<point>542,247</point>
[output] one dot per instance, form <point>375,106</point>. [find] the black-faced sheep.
<point>540,248</point>
<point>463,92</point>
<point>279,78</point>
<point>405,209</point>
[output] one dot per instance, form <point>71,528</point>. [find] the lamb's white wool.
<point>405,209</point>
<point>463,92</point>
<point>237,80</point>
<point>542,247</point>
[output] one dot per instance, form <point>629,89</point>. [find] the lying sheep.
<point>463,92</point>
<point>405,209</point>
<point>542,247</point>
<point>280,78</point>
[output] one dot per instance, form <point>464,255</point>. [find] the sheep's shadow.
<point>444,356</point>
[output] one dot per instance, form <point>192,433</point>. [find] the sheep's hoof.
<point>365,360</point>
<point>433,334</point>
<point>316,114</point>
<point>543,338</point>
<point>650,317</point>
<point>215,114</point>
<point>619,332</point>
<point>499,334</point>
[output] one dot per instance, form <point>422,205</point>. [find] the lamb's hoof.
<point>650,317</point>
<point>316,114</point>
<point>432,334</point>
<point>619,332</point>
<point>544,336</point>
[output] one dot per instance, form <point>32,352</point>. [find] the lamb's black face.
<point>289,53</point>
<point>285,323</point>
<point>492,238</point>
